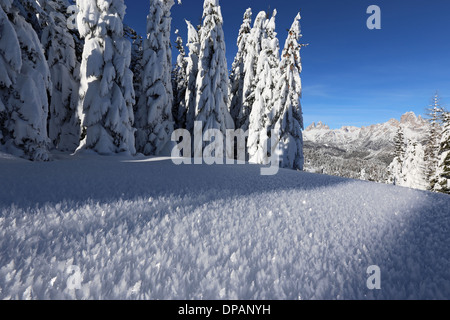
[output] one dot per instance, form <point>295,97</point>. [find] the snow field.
<point>220,232</point>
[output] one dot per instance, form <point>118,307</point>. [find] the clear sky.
<point>351,75</point>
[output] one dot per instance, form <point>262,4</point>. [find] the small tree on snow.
<point>212,100</point>
<point>288,116</point>
<point>24,86</point>
<point>154,120</point>
<point>413,166</point>
<point>106,92</point>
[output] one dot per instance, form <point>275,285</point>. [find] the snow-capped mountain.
<point>372,138</point>
<point>350,151</point>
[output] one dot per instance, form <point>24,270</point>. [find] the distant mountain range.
<point>349,151</point>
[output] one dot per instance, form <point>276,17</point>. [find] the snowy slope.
<point>360,153</point>
<point>159,231</point>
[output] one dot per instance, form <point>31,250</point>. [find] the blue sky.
<point>351,75</point>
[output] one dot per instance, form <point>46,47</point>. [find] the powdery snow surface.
<point>143,228</point>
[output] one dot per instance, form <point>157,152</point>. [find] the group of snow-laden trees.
<point>425,164</point>
<point>106,94</point>
<point>64,89</point>
<point>24,84</point>
<point>102,87</point>
<point>260,97</point>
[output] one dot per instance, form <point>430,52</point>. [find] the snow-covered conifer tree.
<point>260,116</point>
<point>33,12</point>
<point>212,102</point>
<point>154,120</point>
<point>106,93</point>
<point>288,115</point>
<point>179,86</point>
<point>396,166</point>
<point>413,167</point>
<point>136,58</point>
<point>10,65</point>
<point>253,50</point>
<point>408,167</point>
<point>431,154</point>
<point>193,45</point>
<point>59,46</point>
<point>399,144</point>
<point>443,171</point>
<point>237,70</point>
<point>24,85</point>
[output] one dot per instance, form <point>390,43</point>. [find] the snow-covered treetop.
<point>212,8</point>
<point>248,15</point>
<point>101,17</point>
<point>295,28</point>
<point>180,46</point>
<point>260,20</point>
<point>291,58</point>
<point>270,43</point>
<point>245,27</point>
<point>270,27</point>
<point>192,33</point>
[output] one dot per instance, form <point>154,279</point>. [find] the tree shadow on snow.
<point>411,249</point>
<point>105,179</point>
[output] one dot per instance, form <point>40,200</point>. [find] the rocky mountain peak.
<point>374,137</point>
<point>409,117</point>
<point>317,126</point>
<point>411,120</point>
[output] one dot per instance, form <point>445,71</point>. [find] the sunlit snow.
<point>139,229</point>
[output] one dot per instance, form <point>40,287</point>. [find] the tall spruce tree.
<point>237,70</point>
<point>60,50</point>
<point>179,84</point>
<point>106,92</point>
<point>260,116</point>
<point>24,85</point>
<point>434,113</point>
<point>288,115</point>
<point>193,45</point>
<point>396,166</point>
<point>399,144</point>
<point>212,101</point>
<point>253,50</point>
<point>443,171</point>
<point>136,59</point>
<point>154,120</point>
